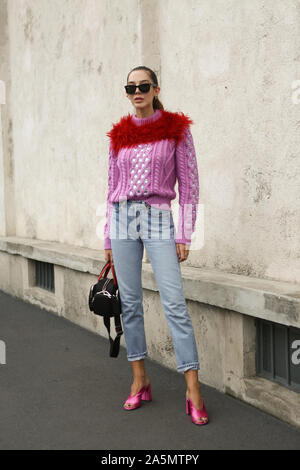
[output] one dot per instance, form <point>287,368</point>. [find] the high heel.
<point>195,413</point>
<point>143,394</point>
<point>147,395</point>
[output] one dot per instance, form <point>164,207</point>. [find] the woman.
<point>148,151</point>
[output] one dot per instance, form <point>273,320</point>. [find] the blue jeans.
<point>133,225</point>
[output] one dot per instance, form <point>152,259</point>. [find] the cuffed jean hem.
<point>185,367</point>
<point>137,357</point>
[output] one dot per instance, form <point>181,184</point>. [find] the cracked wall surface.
<point>231,66</point>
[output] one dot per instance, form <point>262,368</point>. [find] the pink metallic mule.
<point>143,394</point>
<point>196,414</point>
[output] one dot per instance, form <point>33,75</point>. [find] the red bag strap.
<point>106,268</point>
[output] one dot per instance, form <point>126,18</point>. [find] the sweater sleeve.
<point>188,187</point>
<point>113,176</point>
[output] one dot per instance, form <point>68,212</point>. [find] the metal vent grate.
<point>44,275</point>
<point>278,353</point>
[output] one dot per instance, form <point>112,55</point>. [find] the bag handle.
<point>106,268</point>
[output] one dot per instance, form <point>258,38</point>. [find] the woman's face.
<point>141,100</point>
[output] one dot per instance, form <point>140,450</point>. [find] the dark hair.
<point>157,104</point>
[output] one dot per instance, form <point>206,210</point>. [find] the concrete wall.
<point>231,65</point>
<point>228,64</point>
<point>7,208</point>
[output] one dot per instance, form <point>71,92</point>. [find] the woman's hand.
<point>182,251</point>
<point>109,256</point>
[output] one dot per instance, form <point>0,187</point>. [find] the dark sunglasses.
<point>144,88</point>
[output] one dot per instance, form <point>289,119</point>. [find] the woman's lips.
<point>138,99</point>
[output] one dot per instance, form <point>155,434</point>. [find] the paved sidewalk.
<point>59,389</point>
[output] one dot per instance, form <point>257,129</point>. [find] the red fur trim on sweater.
<point>169,125</point>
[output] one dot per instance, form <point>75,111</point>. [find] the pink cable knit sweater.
<point>148,172</point>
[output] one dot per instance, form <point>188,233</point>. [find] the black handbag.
<point>104,300</point>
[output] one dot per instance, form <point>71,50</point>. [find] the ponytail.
<point>157,103</point>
